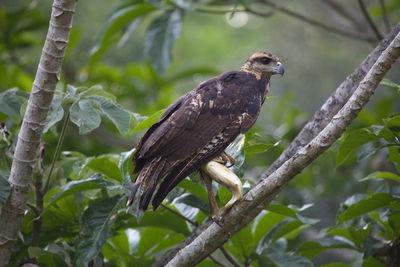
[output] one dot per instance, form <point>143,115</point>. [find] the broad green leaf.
<point>97,90</point>
<point>56,113</point>
<point>118,115</point>
<point>372,262</point>
<point>5,189</point>
<point>125,163</point>
<point>11,101</point>
<point>394,156</point>
<point>94,182</point>
<point>194,201</point>
<point>311,248</point>
<point>117,22</point>
<point>265,223</point>
<point>195,189</point>
<point>336,264</point>
<point>161,37</point>
<point>159,218</point>
<point>393,124</point>
<point>85,116</point>
<point>352,141</point>
<point>107,165</point>
<point>288,260</point>
<point>382,175</point>
<point>376,201</point>
<point>96,223</point>
<point>147,123</point>
<point>243,241</point>
<point>258,148</point>
<point>154,239</point>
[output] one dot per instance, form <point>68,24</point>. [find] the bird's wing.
<point>194,119</point>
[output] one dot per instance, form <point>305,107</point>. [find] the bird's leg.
<point>211,197</point>
<point>225,177</point>
<point>227,158</point>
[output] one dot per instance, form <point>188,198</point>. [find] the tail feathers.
<point>148,178</point>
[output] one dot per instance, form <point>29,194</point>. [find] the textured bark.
<point>47,76</point>
<point>333,104</point>
<point>210,236</point>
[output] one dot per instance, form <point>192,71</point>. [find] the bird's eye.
<point>265,60</point>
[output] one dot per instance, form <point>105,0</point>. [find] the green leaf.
<point>85,116</point>
<point>372,262</point>
<point>97,90</point>
<point>382,175</point>
<point>118,115</point>
<point>93,182</point>
<point>96,223</point>
<point>336,264</point>
<point>161,37</point>
<point>117,22</point>
<point>312,248</point>
<point>5,189</point>
<point>354,140</point>
<point>56,113</point>
<point>158,218</point>
<point>154,239</point>
<point>364,206</point>
<point>288,260</point>
<point>11,101</point>
<point>147,123</point>
<point>389,83</point>
<point>258,148</point>
<point>107,165</point>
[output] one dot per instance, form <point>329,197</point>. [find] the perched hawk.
<point>195,130</point>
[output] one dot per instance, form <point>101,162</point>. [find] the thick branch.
<point>333,104</point>
<point>211,236</point>
<point>47,76</point>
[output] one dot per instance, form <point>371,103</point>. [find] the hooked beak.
<point>279,69</point>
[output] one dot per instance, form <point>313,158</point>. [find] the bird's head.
<point>263,64</point>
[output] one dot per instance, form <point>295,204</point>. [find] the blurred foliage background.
<point>127,60</point>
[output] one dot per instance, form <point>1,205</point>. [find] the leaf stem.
<point>58,150</point>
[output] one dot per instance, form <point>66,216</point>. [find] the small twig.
<point>180,215</point>
<point>229,257</point>
<point>354,35</point>
<point>57,152</point>
<point>369,19</point>
<point>385,15</point>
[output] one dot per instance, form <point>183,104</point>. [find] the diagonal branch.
<point>47,76</point>
<point>333,104</point>
<point>208,237</point>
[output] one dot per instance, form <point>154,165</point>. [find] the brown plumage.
<point>199,126</point>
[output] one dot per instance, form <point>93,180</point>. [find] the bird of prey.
<point>194,131</point>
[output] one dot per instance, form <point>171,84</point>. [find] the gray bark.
<point>34,120</point>
<point>210,236</point>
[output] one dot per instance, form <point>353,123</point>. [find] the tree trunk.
<point>47,76</point>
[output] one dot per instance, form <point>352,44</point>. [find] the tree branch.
<point>47,76</point>
<point>210,236</point>
<point>333,104</point>
<point>369,20</point>
<point>385,15</point>
<point>347,12</point>
<point>328,27</point>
